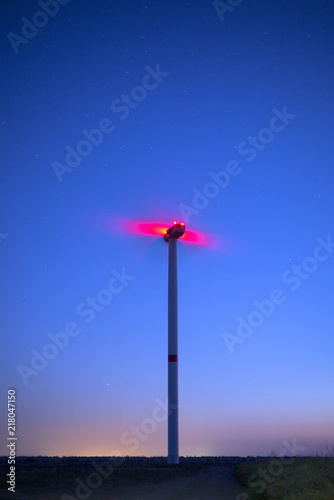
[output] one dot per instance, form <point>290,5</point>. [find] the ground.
<point>130,478</point>
<point>218,483</point>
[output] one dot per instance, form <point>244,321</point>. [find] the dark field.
<point>48,478</point>
<point>104,478</point>
<point>296,478</point>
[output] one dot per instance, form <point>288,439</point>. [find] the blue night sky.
<point>153,111</point>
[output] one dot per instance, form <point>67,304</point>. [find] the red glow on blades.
<point>196,238</point>
<point>149,228</point>
<point>123,226</point>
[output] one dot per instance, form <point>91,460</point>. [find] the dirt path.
<point>216,484</point>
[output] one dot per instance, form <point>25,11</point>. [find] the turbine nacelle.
<point>176,231</point>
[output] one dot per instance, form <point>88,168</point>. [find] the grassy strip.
<point>296,478</point>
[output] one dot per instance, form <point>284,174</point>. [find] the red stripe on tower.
<point>172,357</point>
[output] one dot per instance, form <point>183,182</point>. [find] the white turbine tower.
<point>171,236</point>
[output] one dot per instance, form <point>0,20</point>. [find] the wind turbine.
<point>171,235</point>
